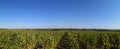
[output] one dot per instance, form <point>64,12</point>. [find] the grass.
<point>19,39</point>
<point>95,40</point>
<point>49,39</point>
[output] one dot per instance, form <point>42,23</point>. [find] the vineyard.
<point>59,39</point>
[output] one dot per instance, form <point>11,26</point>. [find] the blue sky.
<point>102,14</point>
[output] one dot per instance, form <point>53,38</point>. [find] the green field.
<point>59,39</point>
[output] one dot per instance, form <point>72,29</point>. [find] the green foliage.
<point>95,40</point>
<point>47,39</point>
<point>20,39</point>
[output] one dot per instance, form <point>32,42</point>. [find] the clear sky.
<point>60,14</point>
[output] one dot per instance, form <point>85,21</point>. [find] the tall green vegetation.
<point>19,39</point>
<point>51,39</point>
<point>95,40</point>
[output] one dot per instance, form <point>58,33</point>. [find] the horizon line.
<point>66,28</point>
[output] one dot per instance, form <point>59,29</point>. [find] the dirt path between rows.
<point>64,42</point>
